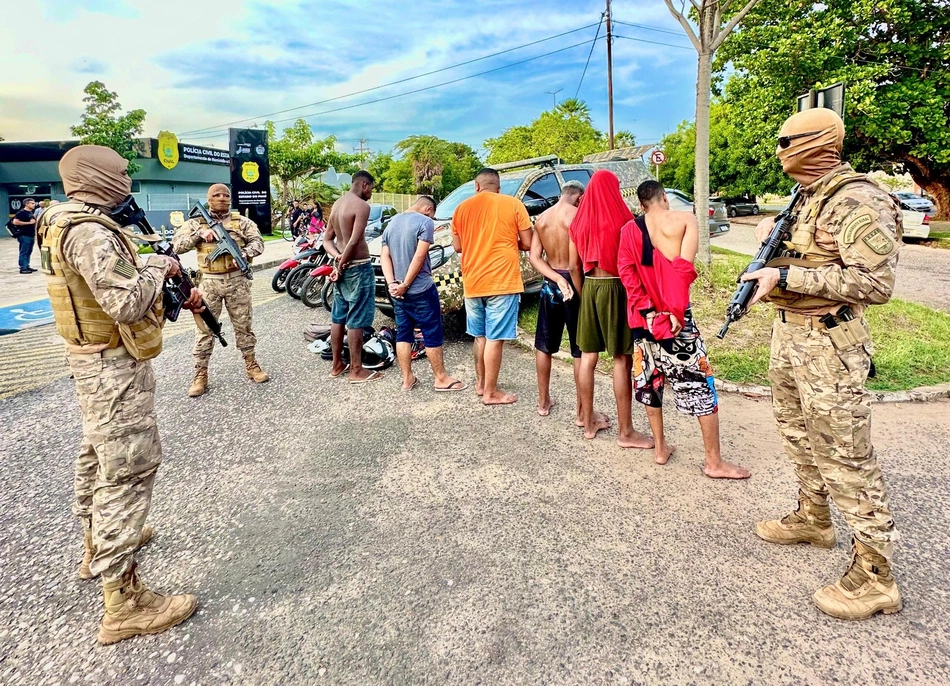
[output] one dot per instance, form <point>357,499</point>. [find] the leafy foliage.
<point>565,131</point>
<point>427,164</point>
<point>296,155</point>
<point>101,124</point>
<point>893,55</point>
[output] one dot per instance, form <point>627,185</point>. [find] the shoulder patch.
<point>856,222</point>
<point>123,268</point>
<point>879,242</point>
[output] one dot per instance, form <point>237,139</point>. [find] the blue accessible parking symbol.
<point>14,318</point>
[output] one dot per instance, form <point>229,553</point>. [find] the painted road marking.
<point>15,318</point>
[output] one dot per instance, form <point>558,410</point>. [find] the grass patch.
<point>938,239</point>
<point>912,342</point>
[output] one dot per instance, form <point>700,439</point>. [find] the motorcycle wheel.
<point>296,278</point>
<point>329,290</point>
<point>311,293</point>
<point>279,282</point>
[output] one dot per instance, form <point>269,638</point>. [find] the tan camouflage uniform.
<point>120,450</point>
<point>820,403</point>
<point>232,290</point>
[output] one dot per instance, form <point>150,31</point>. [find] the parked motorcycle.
<point>305,251</point>
<point>311,292</point>
<point>299,274</point>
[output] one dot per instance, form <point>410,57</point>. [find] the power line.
<point>658,29</point>
<point>392,83</point>
<point>653,42</point>
<point>417,90</point>
<point>592,45</point>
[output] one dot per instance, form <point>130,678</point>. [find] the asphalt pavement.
<point>346,534</point>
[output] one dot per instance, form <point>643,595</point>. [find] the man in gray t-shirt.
<point>405,263</point>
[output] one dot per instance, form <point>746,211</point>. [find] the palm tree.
<point>572,108</point>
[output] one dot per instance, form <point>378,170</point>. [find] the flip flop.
<point>337,376</point>
<point>375,376</point>
<point>454,386</point>
<point>415,383</point>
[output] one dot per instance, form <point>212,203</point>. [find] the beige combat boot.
<point>868,587</point>
<point>200,384</point>
<point>84,572</point>
<point>809,523</point>
<point>254,371</point>
<point>133,610</point>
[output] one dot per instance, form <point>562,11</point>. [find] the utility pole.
<point>553,94</point>
<point>364,151</point>
<point>610,79</point>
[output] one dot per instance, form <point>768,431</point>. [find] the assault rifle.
<point>772,248</point>
<point>226,244</point>
<point>177,289</point>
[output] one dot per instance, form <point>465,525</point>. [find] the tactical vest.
<point>224,264</point>
<point>79,318</point>
<point>802,242</point>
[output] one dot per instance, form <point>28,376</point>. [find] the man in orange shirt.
<point>488,231</point>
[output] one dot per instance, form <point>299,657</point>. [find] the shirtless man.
<point>558,307</point>
<point>354,305</point>
<point>668,345</point>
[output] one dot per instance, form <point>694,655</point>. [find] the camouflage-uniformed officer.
<point>107,304</point>
<point>222,282</point>
<point>848,235</point>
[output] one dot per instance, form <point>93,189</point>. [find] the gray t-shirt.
<point>402,236</point>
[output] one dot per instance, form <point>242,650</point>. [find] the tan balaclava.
<point>219,205</point>
<point>810,157</point>
<point>95,175</point>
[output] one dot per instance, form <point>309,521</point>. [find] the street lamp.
<point>553,95</point>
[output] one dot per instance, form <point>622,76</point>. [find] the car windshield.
<point>466,191</point>
<point>375,211</point>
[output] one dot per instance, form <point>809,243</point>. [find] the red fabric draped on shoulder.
<point>597,224</point>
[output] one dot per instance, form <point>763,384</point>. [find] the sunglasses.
<point>785,141</point>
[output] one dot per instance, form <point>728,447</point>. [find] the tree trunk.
<point>938,185</point>
<point>701,185</point>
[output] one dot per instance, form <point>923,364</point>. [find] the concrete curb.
<point>267,265</point>
<point>921,394</point>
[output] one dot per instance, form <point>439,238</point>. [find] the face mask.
<point>810,145</point>
<point>95,175</point>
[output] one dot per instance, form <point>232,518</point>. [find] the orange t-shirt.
<point>487,225</point>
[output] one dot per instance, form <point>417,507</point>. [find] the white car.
<point>916,224</point>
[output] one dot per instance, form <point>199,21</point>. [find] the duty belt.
<point>826,321</point>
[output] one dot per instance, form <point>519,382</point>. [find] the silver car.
<point>718,219</point>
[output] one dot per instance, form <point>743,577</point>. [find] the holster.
<point>847,335</point>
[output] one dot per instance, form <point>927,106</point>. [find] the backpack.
<point>12,228</point>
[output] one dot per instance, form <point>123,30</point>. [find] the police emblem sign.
<point>167,149</point>
<point>250,176</point>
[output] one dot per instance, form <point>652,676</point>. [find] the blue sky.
<point>194,64</point>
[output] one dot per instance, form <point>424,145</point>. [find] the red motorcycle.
<point>315,289</point>
<point>307,250</point>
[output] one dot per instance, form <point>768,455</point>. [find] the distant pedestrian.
<point>295,213</point>
<point>415,297</point>
<point>24,228</point>
<point>488,230</point>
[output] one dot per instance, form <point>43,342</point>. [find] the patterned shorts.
<point>682,361</point>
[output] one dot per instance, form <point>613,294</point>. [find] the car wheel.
<point>732,212</point>
<point>755,209</point>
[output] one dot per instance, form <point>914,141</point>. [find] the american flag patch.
<point>123,268</point>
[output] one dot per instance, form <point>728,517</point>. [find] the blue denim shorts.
<point>494,317</point>
<point>422,311</point>
<point>354,302</point>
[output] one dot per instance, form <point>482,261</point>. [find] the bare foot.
<point>499,397</point>
<point>337,372</point>
<point>599,423</point>
<point>599,418</point>
<point>363,375</point>
<point>545,410</point>
<point>636,440</point>
<point>479,387</point>
<point>726,470</point>
<point>412,384</point>
<point>663,453</point>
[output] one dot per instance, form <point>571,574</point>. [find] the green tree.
<point>892,54</point>
<point>296,155</point>
<point>565,131</point>
<point>427,164</point>
<point>624,139</point>
<point>102,123</point>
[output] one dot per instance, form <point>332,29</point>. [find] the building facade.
<point>30,170</point>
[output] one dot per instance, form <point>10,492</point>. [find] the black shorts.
<point>554,314</point>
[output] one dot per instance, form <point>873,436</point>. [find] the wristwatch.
<point>783,277</point>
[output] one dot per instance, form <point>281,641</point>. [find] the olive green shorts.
<point>602,322</point>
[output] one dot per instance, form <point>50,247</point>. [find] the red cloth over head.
<point>596,226</point>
